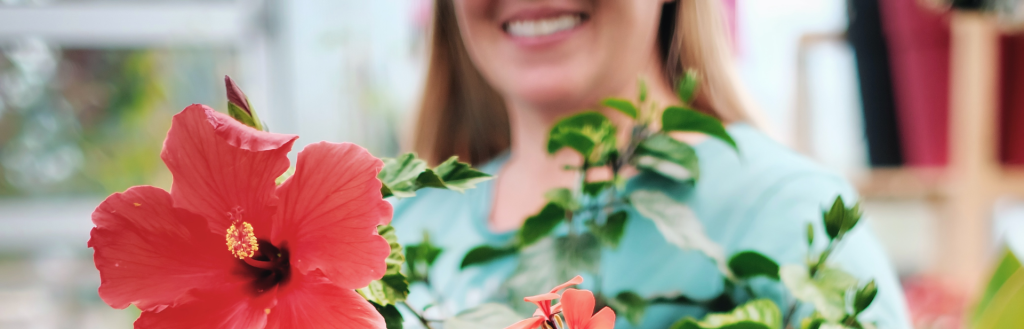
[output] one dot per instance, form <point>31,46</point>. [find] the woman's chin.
<point>552,96</point>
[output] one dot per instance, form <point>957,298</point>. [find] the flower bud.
<point>865,296</point>
<point>239,107</point>
<point>810,234</point>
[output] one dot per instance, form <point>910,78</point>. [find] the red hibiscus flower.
<point>226,248</point>
<point>576,308</point>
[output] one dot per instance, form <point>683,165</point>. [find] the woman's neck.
<point>530,123</point>
<point>531,171</point>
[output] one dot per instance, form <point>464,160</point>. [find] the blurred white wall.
<point>349,68</point>
<point>336,70</point>
<point>769,37</point>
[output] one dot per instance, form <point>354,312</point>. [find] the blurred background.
<point>921,105</point>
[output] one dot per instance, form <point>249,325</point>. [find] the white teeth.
<point>542,27</point>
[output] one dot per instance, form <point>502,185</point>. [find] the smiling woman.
<point>503,72</point>
<point>568,66</point>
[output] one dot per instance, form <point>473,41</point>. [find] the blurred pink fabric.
<point>932,305</point>
<point>1012,100</point>
<point>730,19</point>
<point>919,52</point>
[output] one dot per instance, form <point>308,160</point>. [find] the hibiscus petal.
<point>220,165</point>
<point>229,307</point>
<point>577,280</point>
<point>531,323</point>
<point>541,298</point>
<point>329,214</point>
<point>604,319</point>
<point>150,254</point>
<point>309,301</point>
<point>557,308</point>
<point>577,306</point>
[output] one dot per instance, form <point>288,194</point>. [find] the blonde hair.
<point>462,115</point>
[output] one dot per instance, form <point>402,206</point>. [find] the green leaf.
<point>668,157</point>
<point>630,304</point>
<point>595,188</point>
<point>589,133</point>
<point>839,219</point>
<point>864,297</point>
<point>682,119</point>
<point>757,314</point>
<point>810,234</point>
<point>393,287</point>
<point>484,254</point>
<point>808,323</point>
<point>624,106</point>
<point>486,316</point>
<point>396,258</point>
<point>643,91</point>
<point>827,291</point>
<point>389,290</point>
<point>679,225</point>
<point>688,87</point>
<point>834,218</point>
<point>453,175</point>
<point>403,176</point>
<point>420,257</point>
<point>392,317</point>
<point>852,217</point>
<point>1008,266</point>
<point>398,177</point>
<point>548,263</point>
<point>574,140</point>
<point>749,264</point>
<point>562,197</point>
<point>1004,297</point>
<point>613,229</point>
<point>541,224</point>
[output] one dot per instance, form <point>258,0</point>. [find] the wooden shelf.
<point>904,183</point>
<point>964,192</point>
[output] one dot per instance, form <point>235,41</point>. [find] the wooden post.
<point>974,169</point>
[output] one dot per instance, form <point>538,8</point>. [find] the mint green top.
<point>759,199</point>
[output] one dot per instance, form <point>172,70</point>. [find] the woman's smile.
<point>543,27</point>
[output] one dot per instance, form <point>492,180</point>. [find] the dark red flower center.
<point>264,262</point>
<point>268,266</point>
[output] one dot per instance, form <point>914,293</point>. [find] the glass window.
<point>78,124</point>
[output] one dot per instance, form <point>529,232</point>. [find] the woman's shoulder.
<point>739,182</point>
<point>758,157</point>
<point>748,196</point>
<point>760,169</point>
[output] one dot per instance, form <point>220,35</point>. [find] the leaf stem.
<point>423,320</point>
<point>788,319</point>
<point>832,245</point>
<point>438,298</point>
<point>851,321</point>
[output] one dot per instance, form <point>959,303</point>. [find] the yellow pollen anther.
<point>138,204</point>
<point>266,310</point>
<point>241,240</point>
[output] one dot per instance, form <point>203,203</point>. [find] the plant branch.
<point>788,319</point>
<point>832,245</point>
<point>851,321</point>
<point>423,320</point>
